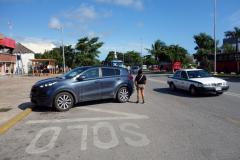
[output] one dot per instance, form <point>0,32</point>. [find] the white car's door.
<point>184,84</point>
<point>177,79</point>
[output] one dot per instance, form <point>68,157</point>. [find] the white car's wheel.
<point>193,91</point>
<point>172,86</point>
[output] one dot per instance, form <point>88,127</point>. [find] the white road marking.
<point>113,143</point>
<point>84,134</point>
<point>32,149</point>
<point>123,116</point>
<point>232,94</point>
<point>157,80</point>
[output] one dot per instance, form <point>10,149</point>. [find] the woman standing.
<point>140,82</point>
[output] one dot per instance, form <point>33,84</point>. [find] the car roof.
<point>190,69</point>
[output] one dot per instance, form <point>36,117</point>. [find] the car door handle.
<point>118,79</point>
<point>96,81</point>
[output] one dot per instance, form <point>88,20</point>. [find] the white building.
<point>23,55</point>
<point>39,47</point>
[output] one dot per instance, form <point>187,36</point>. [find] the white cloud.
<point>137,4</point>
<point>140,24</point>
<point>100,35</point>
<point>234,19</point>
<point>54,23</point>
<point>82,28</point>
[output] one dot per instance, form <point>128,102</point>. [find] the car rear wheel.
<point>123,94</point>
<point>193,91</point>
<point>63,101</point>
<point>172,86</point>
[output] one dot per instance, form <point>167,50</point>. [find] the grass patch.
<point>5,109</point>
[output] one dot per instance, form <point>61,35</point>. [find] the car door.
<point>176,79</point>
<point>90,86</point>
<point>111,78</point>
<point>184,83</point>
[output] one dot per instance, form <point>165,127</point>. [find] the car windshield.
<point>117,63</point>
<point>73,73</point>
<point>198,74</point>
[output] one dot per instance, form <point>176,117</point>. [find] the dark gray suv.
<point>83,84</point>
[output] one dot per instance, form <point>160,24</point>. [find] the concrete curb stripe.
<point>14,120</point>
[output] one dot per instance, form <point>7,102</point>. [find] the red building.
<point>7,59</point>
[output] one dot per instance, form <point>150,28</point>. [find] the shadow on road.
<point>182,93</point>
<point>26,105</point>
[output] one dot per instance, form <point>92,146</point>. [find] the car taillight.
<point>130,77</point>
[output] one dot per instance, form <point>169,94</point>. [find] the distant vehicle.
<point>117,63</point>
<point>225,62</point>
<point>134,69</point>
<point>83,84</point>
<point>197,81</point>
<point>144,66</point>
<point>153,68</point>
<point>170,66</point>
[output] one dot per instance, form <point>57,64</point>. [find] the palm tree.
<point>236,34</point>
<point>156,48</point>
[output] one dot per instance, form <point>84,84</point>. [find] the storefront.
<point>7,59</point>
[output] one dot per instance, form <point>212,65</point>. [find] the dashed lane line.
<point>231,120</point>
<point>156,80</point>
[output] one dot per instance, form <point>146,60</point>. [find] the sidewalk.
<point>15,92</point>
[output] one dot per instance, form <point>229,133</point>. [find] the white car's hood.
<point>208,80</point>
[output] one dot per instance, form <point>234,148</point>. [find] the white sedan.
<point>197,81</point>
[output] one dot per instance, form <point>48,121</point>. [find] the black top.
<point>142,81</point>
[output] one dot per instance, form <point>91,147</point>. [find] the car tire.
<point>123,94</point>
<point>63,101</point>
<point>172,86</point>
<point>193,91</point>
<point>219,93</point>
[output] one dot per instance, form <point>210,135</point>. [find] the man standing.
<point>140,82</point>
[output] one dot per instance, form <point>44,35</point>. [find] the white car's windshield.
<point>198,74</point>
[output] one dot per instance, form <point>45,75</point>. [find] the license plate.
<point>218,88</point>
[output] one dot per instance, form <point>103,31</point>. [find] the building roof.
<point>39,47</point>
<point>23,49</point>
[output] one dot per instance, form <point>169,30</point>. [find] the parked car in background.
<point>153,68</point>
<point>83,84</point>
<point>144,67</point>
<point>134,69</point>
<point>197,81</point>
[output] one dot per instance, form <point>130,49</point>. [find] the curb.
<point>4,127</point>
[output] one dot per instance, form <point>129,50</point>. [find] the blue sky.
<point>117,22</point>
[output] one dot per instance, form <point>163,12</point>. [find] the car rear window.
<point>110,72</point>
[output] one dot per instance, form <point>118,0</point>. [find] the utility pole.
<point>215,38</point>
<point>141,51</point>
<point>10,28</point>
<point>123,57</point>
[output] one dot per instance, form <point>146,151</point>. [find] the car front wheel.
<point>172,86</point>
<point>123,94</point>
<point>63,101</point>
<point>193,91</point>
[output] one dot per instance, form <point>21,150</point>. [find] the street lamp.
<point>63,49</point>
<point>141,51</point>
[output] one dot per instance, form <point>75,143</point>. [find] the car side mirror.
<point>80,78</point>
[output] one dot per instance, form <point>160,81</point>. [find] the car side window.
<point>92,73</point>
<point>184,74</point>
<point>177,74</point>
<point>108,72</point>
<point>117,71</point>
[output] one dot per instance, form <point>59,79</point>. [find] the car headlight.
<point>207,85</point>
<point>224,83</point>
<point>48,84</point>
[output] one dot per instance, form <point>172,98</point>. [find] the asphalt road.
<point>171,125</point>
